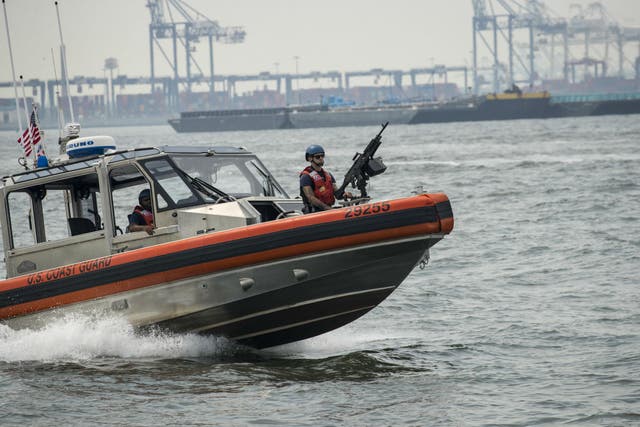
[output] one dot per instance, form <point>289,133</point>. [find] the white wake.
<point>85,338</point>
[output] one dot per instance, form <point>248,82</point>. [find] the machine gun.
<point>364,166</point>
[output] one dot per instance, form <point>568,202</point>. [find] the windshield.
<point>171,186</point>
<point>237,176</point>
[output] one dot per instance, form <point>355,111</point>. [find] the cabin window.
<point>22,232</point>
<point>54,211</point>
<point>171,184</point>
<point>229,177</point>
<point>126,184</point>
<point>237,176</point>
<point>124,201</point>
<point>267,183</point>
<point>54,215</point>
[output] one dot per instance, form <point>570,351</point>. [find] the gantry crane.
<point>510,15</point>
<point>176,20</point>
<point>587,28</point>
<point>593,26</point>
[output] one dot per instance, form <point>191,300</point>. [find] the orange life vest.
<point>145,214</point>
<point>322,185</point>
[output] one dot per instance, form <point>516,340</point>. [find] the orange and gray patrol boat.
<point>231,254</point>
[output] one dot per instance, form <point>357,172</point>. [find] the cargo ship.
<point>511,105</point>
<point>538,105</point>
<point>504,106</point>
<point>353,116</point>
<point>298,117</point>
<point>229,120</point>
<point>597,104</point>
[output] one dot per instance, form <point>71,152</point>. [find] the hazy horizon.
<point>332,35</point>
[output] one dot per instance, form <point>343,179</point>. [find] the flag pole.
<point>13,70</point>
<point>26,111</point>
<point>60,110</point>
<point>39,141</point>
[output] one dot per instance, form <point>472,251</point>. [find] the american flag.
<point>25,142</point>
<point>31,136</point>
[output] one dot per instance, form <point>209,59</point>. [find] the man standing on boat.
<point>142,217</point>
<point>317,186</point>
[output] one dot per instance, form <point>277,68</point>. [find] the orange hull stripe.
<point>216,266</point>
<point>235,234</point>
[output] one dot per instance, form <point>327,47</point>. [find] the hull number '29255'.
<point>368,209</point>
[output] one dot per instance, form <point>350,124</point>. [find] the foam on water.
<point>78,338</point>
<point>87,337</point>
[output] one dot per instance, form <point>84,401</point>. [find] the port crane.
<point>588,28</point>
<point>592,27</point>
<point>177,21</point>
<point>510,15</point>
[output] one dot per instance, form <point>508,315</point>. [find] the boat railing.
<point>595,97</point>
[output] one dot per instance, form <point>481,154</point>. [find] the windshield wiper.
<point>205,188</point>
<point>210,190</point>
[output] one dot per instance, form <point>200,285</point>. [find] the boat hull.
<point>509,108</point>
<point>351,117</point>
<point>261,285</point>
<point>300,118</point>
<point>525,107</point>
<point>223,123</point>
<point>486,108</point>
<point>337,288</point>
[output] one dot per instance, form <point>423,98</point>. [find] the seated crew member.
<point>318,186</point>
<point>142,217</point>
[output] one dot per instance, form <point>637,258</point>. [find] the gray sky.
<point>342,35</point>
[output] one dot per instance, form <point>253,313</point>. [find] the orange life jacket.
<point>145,214</point>
<point>322,185</point>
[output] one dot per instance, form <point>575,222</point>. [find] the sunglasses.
<point>318,156</point>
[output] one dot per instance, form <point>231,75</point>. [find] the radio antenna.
<point>65,69</point>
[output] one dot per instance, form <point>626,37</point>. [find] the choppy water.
<point>528,314</point>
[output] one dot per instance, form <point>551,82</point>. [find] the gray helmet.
<point>313,150</point>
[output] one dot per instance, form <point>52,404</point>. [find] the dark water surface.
<point>528,313</point>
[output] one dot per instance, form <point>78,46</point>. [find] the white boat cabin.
<point>78,208</point>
